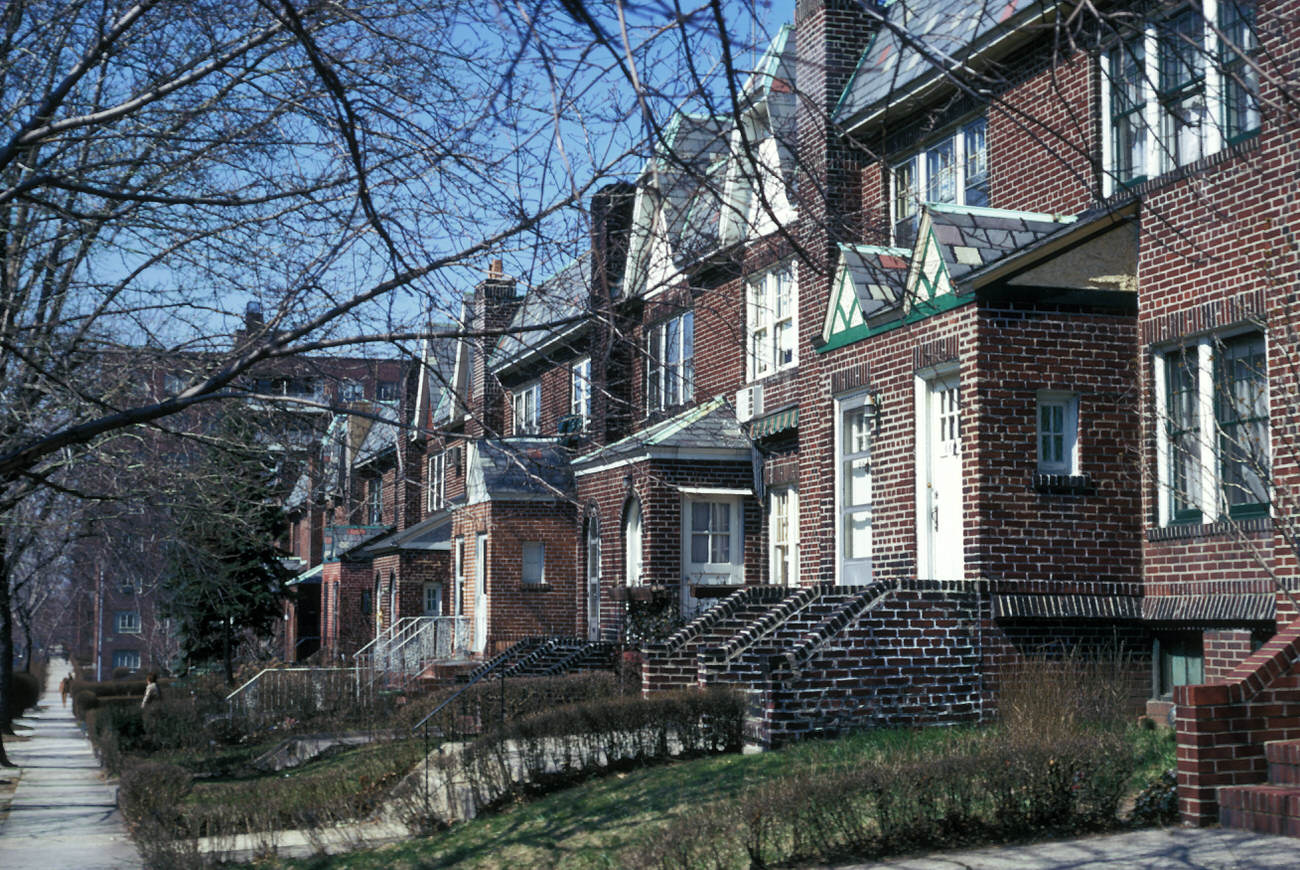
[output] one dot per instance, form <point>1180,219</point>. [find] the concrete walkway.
<point>1169,849</point>
<point>63,814</point>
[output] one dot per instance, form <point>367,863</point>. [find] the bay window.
<point>1180,89</point>
<point>1213,440</point>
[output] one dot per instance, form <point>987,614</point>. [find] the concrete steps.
<point>1272,807</point>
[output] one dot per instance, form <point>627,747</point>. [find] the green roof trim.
<point>920,310</point>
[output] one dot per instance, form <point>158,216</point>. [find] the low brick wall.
<point>1222,727</point>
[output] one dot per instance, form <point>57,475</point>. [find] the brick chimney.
<point>492,307</point>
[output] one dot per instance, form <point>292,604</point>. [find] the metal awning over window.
<point>774,424</point>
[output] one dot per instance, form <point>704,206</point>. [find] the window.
<point>854,486</point>
<point>771,320</point>
<point>526,402</point>
<point>458,590</point>
<point>954,169</point>
<point>632,563</point>
<point>128,587</point>
<point>783,529</point>
<point>375,502</point>
<point>534,559</point>
<point>1058,424</point>
<point>368,601</point>
<point>438,481</point>
<point>386,391</point>
<point>670,368</point>
<point>710,532</point>
<point>1212,446</point>
<point>127,622</point>
<point>126,658</point>
<point>351,391</point>
<point>1181,662</point>
<point>1179,91</point>
<point>580,390</point>
<point>432,599</point>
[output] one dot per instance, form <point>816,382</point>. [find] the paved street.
<point>63,814</point>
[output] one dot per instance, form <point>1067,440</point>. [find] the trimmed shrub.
<point>24,692</point>
<point>83,702</point>
<point>122,673</point>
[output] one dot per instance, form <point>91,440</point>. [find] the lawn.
<point>596,824</point>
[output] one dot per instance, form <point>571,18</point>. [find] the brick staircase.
<point>744,658</point>
<point>823,659</point>
<point>674,663</point>
<point>565,655</point>
<point>1272,807</point>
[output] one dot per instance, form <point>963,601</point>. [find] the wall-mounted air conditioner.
<point>749,403</point>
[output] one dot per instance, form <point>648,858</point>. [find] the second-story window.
<point>670,362</point>
<point>580,390</point>
<point>127,622</point>
<point>375,502</point>
<point>1180,89</point>
<point>438,481</point>
<point>386,391</point>
<point>526,403</point>
<point>770,316</point>
<point>955,170</point>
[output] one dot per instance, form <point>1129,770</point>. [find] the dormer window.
<point>955,169</point>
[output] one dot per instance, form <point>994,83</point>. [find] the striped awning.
<point>774,424</point>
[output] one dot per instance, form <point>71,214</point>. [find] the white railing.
<point>409,646</point>
<point>296,693</point>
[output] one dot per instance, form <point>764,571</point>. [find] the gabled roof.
<point>920,42</point>
<point>565,295</point>
<point>967,238</point>
<point>711,426</point>
<point>872,292</point>
<point>379,439</point>
<point>517,469</point>
<point>438,377</point>
<point>431,534</point>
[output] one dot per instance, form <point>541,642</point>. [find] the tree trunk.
<point>226,651</point>
<point>6,650</point>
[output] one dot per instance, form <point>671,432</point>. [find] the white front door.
<point>593,578</point>
<point>480,593</point>
<point>854,495</point>
<point>712,548</point>
<point>940,538</point>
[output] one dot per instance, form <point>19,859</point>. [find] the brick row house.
<point>967,338</point>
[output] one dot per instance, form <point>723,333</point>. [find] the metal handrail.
<point>490,669</point>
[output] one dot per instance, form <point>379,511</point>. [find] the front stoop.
<point>1272,807</point>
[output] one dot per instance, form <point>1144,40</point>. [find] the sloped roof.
<point>565,295</point>
<point>969,238</point>
<point>441,358</point>
<point>711,425</point>
<point>878,275</point>
<point>924,39</point>
<point>380,438</point>
<point>506,468</point>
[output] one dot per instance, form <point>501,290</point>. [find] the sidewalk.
<point>1169,849</point>
<point>63,814</point>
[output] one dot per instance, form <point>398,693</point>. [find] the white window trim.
<point>580,390</point>
<point>760,316</point>
<point>458,584</point>
<point>527,420</point>
<point>734,570</point>
<point>523,563</point>
<point>438,481</point>
<point>657,369</point>
<point>1070,430</point>
<point>127,654</point>
<point>790,494</point>
<point>126,622</point>
<point>375,502</point>
<point>1208,500</point>
<point>1155,157</point>
<point>843,405</point>
<point>920,171</point>
<point>632,508</point>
